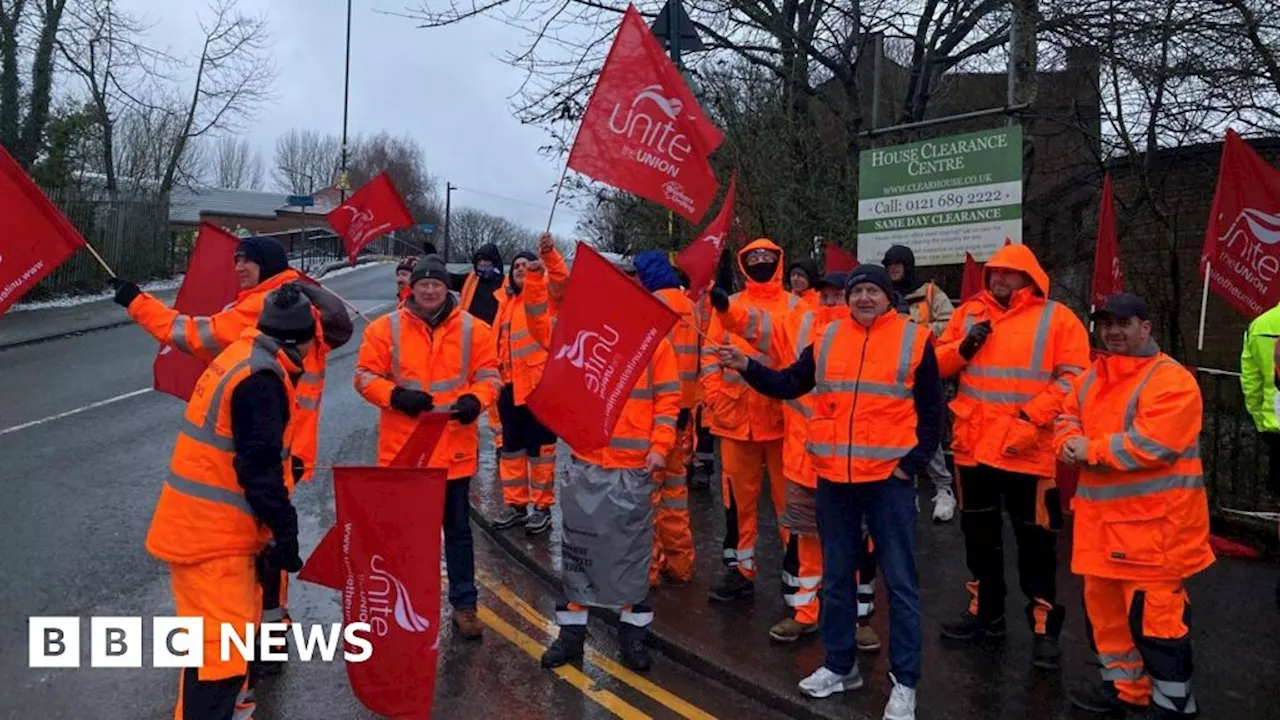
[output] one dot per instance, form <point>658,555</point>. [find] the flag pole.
<point>1204,304</point>
<point>101,262</point>
<point>556,200</point>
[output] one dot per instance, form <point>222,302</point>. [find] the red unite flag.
<point>1242,240</point>
<point>37,237</point>
<point>700,258</point>
<point>373,211</point>
<point>598,351</point>
<point>644,131</point>
<point>971,281</point>
<point>1108,279</point>
<point>837,259</point>
<point>209,287</point>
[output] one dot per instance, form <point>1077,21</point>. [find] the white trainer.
<point>824,683</point>
<point>944,505</point>
<point>902,702</point>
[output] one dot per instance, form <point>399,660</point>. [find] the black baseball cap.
<point>830,280</point>
<point>1122,306</point>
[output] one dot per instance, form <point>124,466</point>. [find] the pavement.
<point>1236,628</point>
<point>85,447</point>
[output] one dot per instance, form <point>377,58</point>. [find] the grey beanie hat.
<point>286,316</point>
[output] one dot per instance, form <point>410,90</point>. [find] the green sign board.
<point>942,198</point>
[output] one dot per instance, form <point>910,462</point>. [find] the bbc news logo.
<point>178,642</point>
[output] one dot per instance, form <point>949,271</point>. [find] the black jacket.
<point>259,414</point>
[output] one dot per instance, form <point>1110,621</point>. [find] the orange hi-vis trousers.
<point>742,479</point>
<point>223,590</point>
<point>802,577</point>
<point>673,536</point>
<point>527,467</point>
<point>1142,635</point>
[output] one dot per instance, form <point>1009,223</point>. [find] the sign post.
<point>942,197</point>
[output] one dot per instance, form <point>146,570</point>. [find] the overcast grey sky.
<point>447,88</point>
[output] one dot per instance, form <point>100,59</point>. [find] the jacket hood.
<point>903,255</point>
<point>655,271</point>
<point>766,244</point>
<point>490,252</point>
<point>1021,259</point>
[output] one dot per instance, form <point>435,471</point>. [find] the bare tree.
<point>146,136</point>
<point>403,160</point>
<point>236,165</point>
<point>471,229</point>
<point>27,41</point>
<point>305,161</point>
<point>233,77</point>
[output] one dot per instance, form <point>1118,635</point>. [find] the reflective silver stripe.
<point>866,452</point>
<point>1042,334</point>
<point>806,325</point>
<point>536,310</point>
<point>1085,385</point>
<point>904,354</point>
<point>529,349</point>
<point>799,407</point>
<point>1164,692</point>
<point>792,302</point>
<point>628,444</point>
<point>394,321</point>
<point>488,374</point>
<point>1002,372</point>
<point>207,436</point>
<point>824,352</point>
<point>516,482</point>
<point>635,619</point>
<point>194,489</point>
<point>571,617</point>
<point>968,323</point>
<point>1063,384</point>
<point>686,349</point>
<point>443,386</point>
<point>866,589</point>
<point>865,609</point>
<point>688,376</point>
<point>204,331</point>
<point>514,454</point>
<point>1063,370</point>
<point>753,323</point>
<point>312,378</point>
<point>1146,487</point>
<point>992,396</point>
<point>1033,370</point>
<point>1131,656</point>
<point>519,335</point>
<point>766,332</point>
<point>543,460</point>
<point>863,387</point>
<point>308,403</point>
<point>674,481</point>
<point>641,393</point>
<point>466,348</point>
<point>273,615</point>
<point>1122,673</point>
<point>799,599</point>
<point>804,582</point>
<point>178,334</point>
<point>674,503</point>
<point>667,387</point>
<point>664,421</point>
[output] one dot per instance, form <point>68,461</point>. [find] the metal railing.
<point>1233,452</point>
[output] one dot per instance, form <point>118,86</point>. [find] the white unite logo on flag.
<point>592,353</point>
<point>662,146</point>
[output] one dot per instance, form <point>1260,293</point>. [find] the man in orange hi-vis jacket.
<point>432,355</point>
<point>1015,353</point>
<point>1132,424</point>
<point>748,424</point>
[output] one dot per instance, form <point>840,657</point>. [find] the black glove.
<point>284,555</point>
<point>466,409</point>
<point>299,468</point>
<point>126,292</point>
<point>720,299</point>
<point>975,339</point>
<point>411,402</point>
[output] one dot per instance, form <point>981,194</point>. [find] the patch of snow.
<point>64,301</point>
<point>348,269</point>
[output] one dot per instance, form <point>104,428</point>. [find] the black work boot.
<point>511,516</point>
<point>1046,654</point>
<point>1100,697</point>
<point>733,586</point>
<point>634,651</point>
<point>567,647</point>
<point>971,627</point>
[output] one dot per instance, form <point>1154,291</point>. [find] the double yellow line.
<point>572,675</point>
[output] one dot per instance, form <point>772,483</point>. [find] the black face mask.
<point>762,272</point>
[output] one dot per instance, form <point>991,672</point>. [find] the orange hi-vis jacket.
<point>1141,510</point>
<point>1035,349</point>
<point>521,358</point>
<point>205,337</point>
<point>202,513</point>
<point>455,359</point>
<point>864,414</point>
<point>684,340</point>
<point>738,412</point>
<point>800,329</point>
<point>809,299</point>
<point>648,420</point>
<point>469,292</point>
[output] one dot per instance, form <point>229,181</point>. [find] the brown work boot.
<point>868,640</point>
<point>791,630</point>
<point>468,624</point>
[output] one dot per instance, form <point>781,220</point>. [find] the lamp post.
<point>346,98</point>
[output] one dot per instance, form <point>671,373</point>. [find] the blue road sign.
<point>301,201</point>
<point>427,228</point>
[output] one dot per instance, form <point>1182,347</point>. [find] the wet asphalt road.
<point>80,490</point>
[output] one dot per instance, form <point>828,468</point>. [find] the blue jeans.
<point>890,510</point>
<point>459,554</point>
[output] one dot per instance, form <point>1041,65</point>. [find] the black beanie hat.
<point>286,316</point>
<point>527,255</point>
<point>874,274</point>
<point>430,267</point>
<point>267,252</point>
